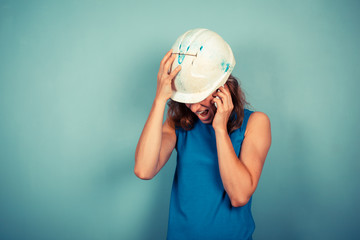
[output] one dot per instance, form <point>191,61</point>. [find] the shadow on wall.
<point>156,221</point>
<point>284,179</point>
<point>292,200</point>
<point>154,224</point>
<point>153,195</point>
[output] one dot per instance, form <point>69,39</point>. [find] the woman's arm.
<point>155,145</point>
<point>157,140</point>
<point>240,176</point>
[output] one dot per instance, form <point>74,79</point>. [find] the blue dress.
<point>199,206</point>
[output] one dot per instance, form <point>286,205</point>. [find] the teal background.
<point>77,80</point>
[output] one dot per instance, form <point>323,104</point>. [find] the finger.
<point>226,91</point>
<point>167,55</point>
<point>163,61</point>
<point>175,71</point>
<point>169,63</point>
<point>219,104</point>
<point>222,95</point>
<point>224,99</point>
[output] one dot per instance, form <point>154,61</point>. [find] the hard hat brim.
<point>198,97</point>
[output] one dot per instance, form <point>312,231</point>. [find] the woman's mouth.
<point>203,115</point>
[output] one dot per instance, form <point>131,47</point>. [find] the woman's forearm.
<point>148,148</point>
<point>235,176</point>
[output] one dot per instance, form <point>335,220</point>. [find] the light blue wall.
<point>77,79</point>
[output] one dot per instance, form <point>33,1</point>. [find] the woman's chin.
<point>207,122</point>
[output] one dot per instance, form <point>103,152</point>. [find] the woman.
<point>214,181</point>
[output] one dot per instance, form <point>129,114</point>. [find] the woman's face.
<point>204,110</point>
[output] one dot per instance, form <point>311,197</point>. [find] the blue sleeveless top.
<point>199,206</point>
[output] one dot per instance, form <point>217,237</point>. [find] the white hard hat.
<point>206,62</point>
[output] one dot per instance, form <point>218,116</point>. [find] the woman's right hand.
<point>164,78</point>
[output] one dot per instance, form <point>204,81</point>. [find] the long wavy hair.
<point>179,115</point>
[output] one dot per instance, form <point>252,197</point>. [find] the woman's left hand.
<point>224,108</point>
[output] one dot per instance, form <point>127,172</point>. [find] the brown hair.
<point>181,116</point>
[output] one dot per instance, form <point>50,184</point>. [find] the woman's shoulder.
<point>258,120</point>
<point>261,116</point>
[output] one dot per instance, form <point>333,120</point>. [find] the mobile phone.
<point>217,96</point>
<point>215,102</point>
